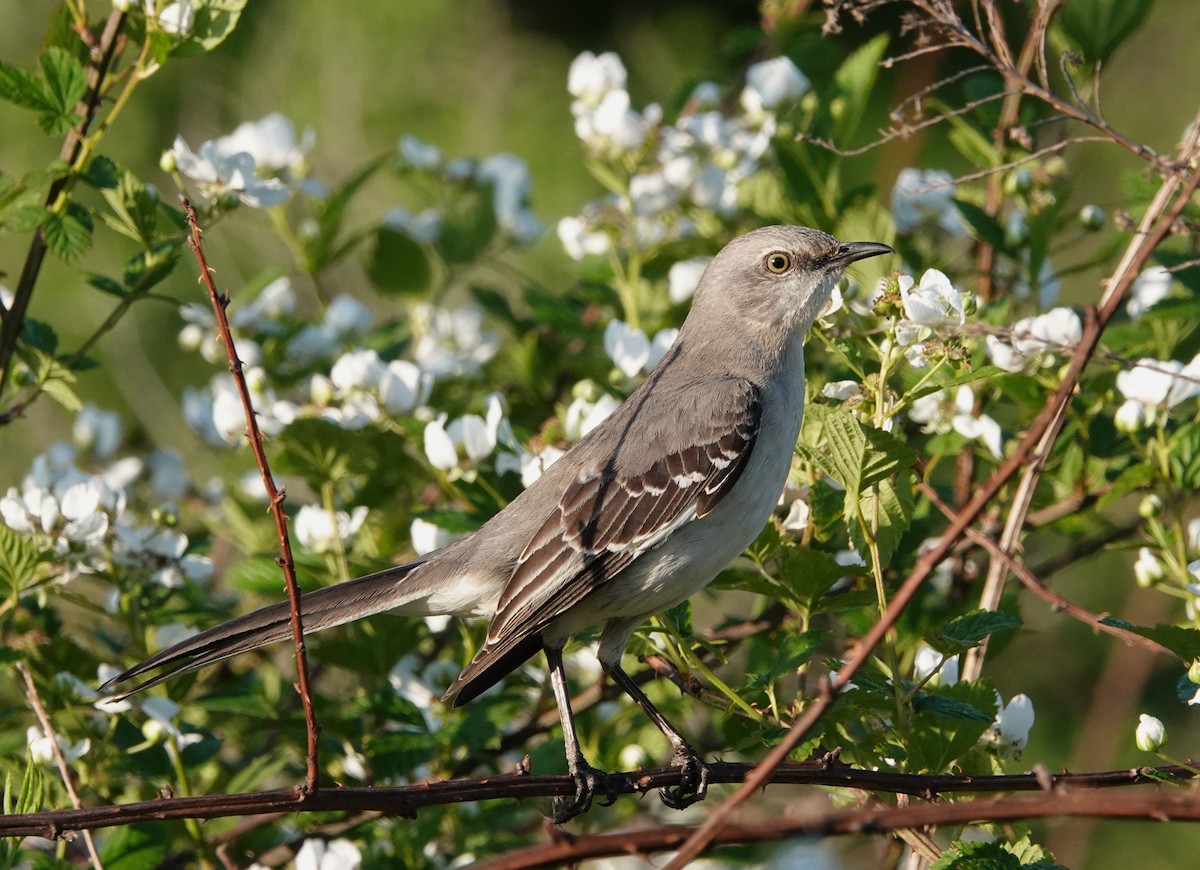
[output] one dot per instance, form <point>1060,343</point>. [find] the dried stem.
<point>64,770</point>
<point>275,498</point>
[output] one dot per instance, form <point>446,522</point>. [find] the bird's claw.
<point>693,780</point>
<point>587,780</point>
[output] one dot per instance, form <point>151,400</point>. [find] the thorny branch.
<point>407,800</point>
<point>275,497</point>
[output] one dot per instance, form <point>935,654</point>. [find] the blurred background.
<point>477,77</point>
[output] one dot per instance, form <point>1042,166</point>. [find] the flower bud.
<point>154,732</point>
<point>167,162</point>
<point>1150,507</point>
<point>1147,570</point>
<point>1092,217</point>
<point>1193,672</point>
<point>1130,417</point>
<point>1151,735</point>
<point>1020,181</point>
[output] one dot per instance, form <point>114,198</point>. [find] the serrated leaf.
<point>976,856</point>
<point>101,173</point>
<point>24,88</point>
<point>106,284</point>
<point>1184,642</point>
<point>68,234</point>
<point>969,630</point>
<point>949,722</point>
<point>856,455</point>
<point>887,508</point>
<point>148,269</point>
<point>398,264</point>
<point>32,796</point>
<point>1130,480</point>
<point>65,82</point>
<point>808,574</point>
<point>952,708</point>
<point>39,335</point>
<point>18,559</point>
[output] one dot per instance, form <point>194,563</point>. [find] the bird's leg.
<point>693,771</point>
<point>586,777</point>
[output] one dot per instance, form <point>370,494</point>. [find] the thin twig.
<point>64,770</point>
<point>275,498</point>
<point>102,56</point>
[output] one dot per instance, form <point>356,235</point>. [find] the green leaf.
<point>976,856</point>
<point>149,268</point>
<point>215,20</point>
<point>1130,480</point>
<point>105,284</point>
<point>39,335</point>
<point>24,88</point>
<point>949,722</point>
<point>1097,27</point>
<point>855,81</point>
<point>18,559</point>
<point>1184,642</point>
<point>398,264</point>
<point>808,574</point>
<point>1184,459</point>
<point>468,226</point>
<point>101,173</point>
<point>68,234</point>
<point>888,507</point>
<point>940,705</point>
<point>65,85</point>
<point>134,847</point>
<point>969,630</point>
<point>984,227</point>
<point>856,455</point>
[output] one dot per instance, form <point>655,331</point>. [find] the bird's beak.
<point>850,252</point>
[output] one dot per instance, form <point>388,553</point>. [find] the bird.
<point>637,517</point>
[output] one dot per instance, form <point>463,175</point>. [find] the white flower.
<point>419,154</point>
<point>511,184</point>
<point>926,196</point>
<point>218,173</point>
<point>1147,570</point>
<point>583,416</point>
<point>175,18</point>
<point>1150,288</point>
<point>97,432</point>
<point>934,301</point>
<point>592,76</point>
<point>35,510</point>
<point>314,342</point>
<point>1151,734</point>
<point>346,316</point>
<point>628,348</point>
<point>317,530</point>
<point>529,464</point>
<point>1149,382</point>
<point>41,748</point>
<point>1014,722</point>
<point>652,193</point>
<point>271,142</point>
<point>933,413</point>
<point>797,517</point>
<point>276,301</point>
<point>580,240</point>
<point>839,391</point>
<point>684,277</point>
<point>427,537</point>
<point>402,387</point>
<point>340,854</point>
<point>613,125</point>
<point>452,342</point>
<point>771,85</point>
<point>423,228</point>
<point>357,369</point>
<point>929,660</point>
<point>1056,331</point>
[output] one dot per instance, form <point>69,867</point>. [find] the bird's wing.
<point>619,505</point>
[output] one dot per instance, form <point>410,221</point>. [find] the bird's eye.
<point>778,262</point>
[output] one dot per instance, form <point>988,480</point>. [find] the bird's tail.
<point>324,608</point>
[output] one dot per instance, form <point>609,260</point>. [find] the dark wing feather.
<point>613,511</point>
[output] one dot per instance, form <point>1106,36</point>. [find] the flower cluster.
<point>88,516</point>
<point>244,165</point>
<point>694,165</point>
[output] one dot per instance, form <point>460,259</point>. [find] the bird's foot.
<point>693,779</point>
<point>587,780</point>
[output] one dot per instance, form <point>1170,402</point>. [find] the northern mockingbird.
<point>637,517</point>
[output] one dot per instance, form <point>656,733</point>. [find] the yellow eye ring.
<point>778,262</point>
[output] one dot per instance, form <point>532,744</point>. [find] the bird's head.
<point>781,277</point>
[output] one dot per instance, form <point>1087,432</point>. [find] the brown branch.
<point>100,61</point>
<point>275,498</point>
<point>1159,806</point>
<point>407,800</point>
<point>1021,571</point>
<point>64,769</point>
<point>1138,252</point>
